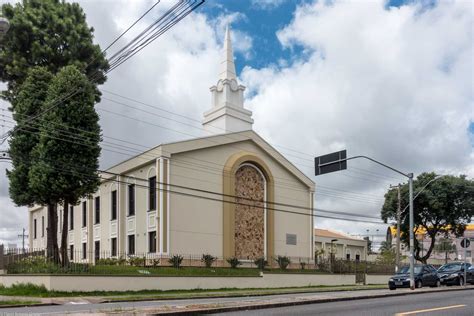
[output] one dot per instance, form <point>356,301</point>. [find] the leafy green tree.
<point>444,207</point>
<point>386,256</point>
<point>51,34</point>
<point>23,140</point>
<point>369,245</point>
<point>445,246</point>
<point>48,33</point>
<point>385,246</point>
<point>67,155</point>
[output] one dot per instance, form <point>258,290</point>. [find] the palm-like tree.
<point>445,246</point>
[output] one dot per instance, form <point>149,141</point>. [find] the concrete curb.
<point>232,295</point>
<point>297,303</point>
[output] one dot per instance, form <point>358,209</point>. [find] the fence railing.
<point>19,261</point>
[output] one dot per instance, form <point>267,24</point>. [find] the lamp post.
<point>337,161</point>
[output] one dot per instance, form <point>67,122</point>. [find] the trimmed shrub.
<point>33,264</point>
<point>107,262</point>
<point>176,261</point>
<point>155,262</point>
<point>137,261</point>
<point>208,260</point>
<point>234,262</point>
<point>283,262</point>
<point>261,263</point>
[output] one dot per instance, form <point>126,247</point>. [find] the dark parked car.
<point>453,273</point>
<point>470,275</point>
<point>425,275</point>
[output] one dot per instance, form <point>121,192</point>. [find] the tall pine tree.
<point>48,33</point>
<point>51,34</point>
<point>67,155</point>
<point>25,137</point>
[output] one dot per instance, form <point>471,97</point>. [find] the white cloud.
<point>392,84</point>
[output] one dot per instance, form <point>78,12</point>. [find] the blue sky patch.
<point>262,24</point>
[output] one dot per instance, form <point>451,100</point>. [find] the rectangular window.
<point>84,214</point>
<point>97,209</point>
<point>152,193</point>
<point>34,228</point>
<point>84,250</point>
<point>357,257</point>
<point>131,199</point>
<point>152,242</point>
<point>42,226</point>
<point>113,247</point>
<point>348,256</point>
<point>71,252</point>
<point>131,244</point>
<point>113,203</point>
<point>71,218</point>
<point>97,250</point>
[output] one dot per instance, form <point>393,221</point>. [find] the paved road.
<point>433,304</point>
<point>379,306</point>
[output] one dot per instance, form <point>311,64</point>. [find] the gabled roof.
<point>333,234</point>
<point>168,149</point>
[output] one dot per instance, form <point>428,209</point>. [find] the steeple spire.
<point>227,114</point>
<point>227,69</point>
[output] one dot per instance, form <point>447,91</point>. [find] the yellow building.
<point>437,257</point>
<point>221,194</point>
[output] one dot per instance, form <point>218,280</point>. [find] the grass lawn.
<point>40,291</point>
<point>18,303</point>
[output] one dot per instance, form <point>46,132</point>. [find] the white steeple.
<point>227,113</point>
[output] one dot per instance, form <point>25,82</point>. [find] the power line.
<point>177,17</point>
<point>133,150</point>
<point>74,169</point>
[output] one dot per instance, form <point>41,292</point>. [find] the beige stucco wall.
<point>377,279</point>
<point>135,283</point>
<point>196,224</point>
<point>203,230</point>
<point>342,247</point>
<point>40,241</point>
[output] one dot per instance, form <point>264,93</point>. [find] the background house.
<point>342,245</point>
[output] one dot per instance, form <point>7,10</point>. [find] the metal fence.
<point>34,261</point>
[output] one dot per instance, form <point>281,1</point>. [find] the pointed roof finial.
<point>227,70</point>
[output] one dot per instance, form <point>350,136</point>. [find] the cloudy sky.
<point>391,80</point>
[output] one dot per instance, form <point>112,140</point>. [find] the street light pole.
<point>412,233</point>
<point>338,161</point>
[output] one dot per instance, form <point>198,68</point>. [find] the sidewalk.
<point>226,304</point>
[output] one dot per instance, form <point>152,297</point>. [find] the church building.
<point>228,194</point>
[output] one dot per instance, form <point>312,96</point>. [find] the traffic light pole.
<point>412,233</point>
<point>411,216</point>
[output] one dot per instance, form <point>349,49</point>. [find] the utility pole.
<point>399,214</point>
<point>23,236</point>
<point>412,233</point>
